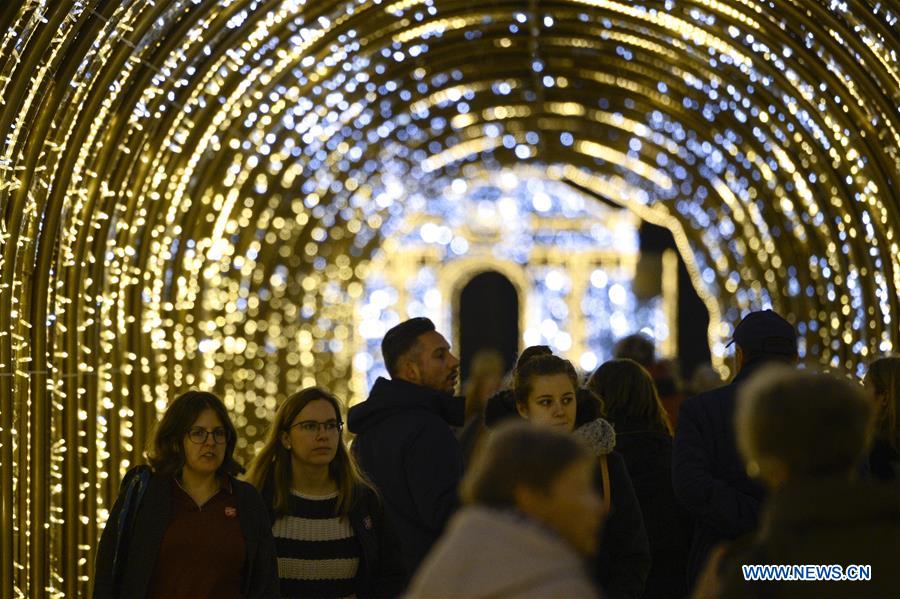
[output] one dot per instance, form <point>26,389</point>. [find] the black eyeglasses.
<point>200,435</point>
<point>311,427</point>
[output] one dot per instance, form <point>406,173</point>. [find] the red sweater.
<point>202,551</point>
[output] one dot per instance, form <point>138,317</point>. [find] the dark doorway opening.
<point>693,317</point>
<point>488,319</point>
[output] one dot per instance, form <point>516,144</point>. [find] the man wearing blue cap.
<point>708,474</point>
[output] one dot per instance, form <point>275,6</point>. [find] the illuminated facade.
<point>194,194</point>
<point>571,260</point>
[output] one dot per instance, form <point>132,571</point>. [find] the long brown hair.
<point>884,377</point>
<point>629,395</point>
<point>272,465</point>
<point>166,452</point>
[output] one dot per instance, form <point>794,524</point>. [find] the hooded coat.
<point>491,553</point>
<point>405,446</point>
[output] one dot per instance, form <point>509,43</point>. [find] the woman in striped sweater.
<point>331,534</point>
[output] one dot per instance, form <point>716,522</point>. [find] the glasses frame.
<point>319,426</point>
<point>206,434</point>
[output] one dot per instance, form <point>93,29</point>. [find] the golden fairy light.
<point>193,194</point>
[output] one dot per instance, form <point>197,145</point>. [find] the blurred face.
<point>878,400</point>
<point>572,507</point>
<point>432,365</point>
<point>551,402</point>
<point>314,434</point>
<point>204,444</point>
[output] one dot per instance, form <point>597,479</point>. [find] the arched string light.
<point>192,191</point>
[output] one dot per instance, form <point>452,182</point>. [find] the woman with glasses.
<point>185,526</point>
<point>331,535</point>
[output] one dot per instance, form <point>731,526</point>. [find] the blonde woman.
<point>331,535</point>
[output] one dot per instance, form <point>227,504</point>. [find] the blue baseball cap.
<point>765,332</point>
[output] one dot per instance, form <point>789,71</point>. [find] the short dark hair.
<point>518,454</point>
<point>817,424</point>
<point>166,453</point>
<point>402,338</point>
<point>637,347</point>
<point>540,364</point>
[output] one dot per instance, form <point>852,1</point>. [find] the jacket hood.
<point>391,397</point>
<point>492,553</point>
<point>599,435</point>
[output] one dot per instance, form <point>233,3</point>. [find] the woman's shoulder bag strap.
<point>607,489</point>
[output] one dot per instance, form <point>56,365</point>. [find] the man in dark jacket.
<point>709,477</point>
<point>403,438</point>
<point>803,435</point>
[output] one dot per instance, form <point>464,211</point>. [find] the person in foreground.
<point>185,526</point>
<point>804,435</point>
<point>331,534</point>
<point>531,515</point>
<point>404,442</point>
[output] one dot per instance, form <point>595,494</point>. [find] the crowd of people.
<point>543,483</point>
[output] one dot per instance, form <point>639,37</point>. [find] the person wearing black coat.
<point>643,438</point>
<point>803,435</point>
<point>404,442</point>
<point>184,526</point>
<point>149,526</point>
<point>708,475</point>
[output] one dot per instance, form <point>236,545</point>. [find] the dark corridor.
<point>489,318</point>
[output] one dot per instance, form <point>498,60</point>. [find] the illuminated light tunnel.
<point>194,193</point>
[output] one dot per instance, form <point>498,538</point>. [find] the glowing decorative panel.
<point>556,245</point>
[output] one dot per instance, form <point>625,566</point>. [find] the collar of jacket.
<point>751,367</point>
<point>399,394</point>
<point>828,503</point>
<point>599,436</point>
